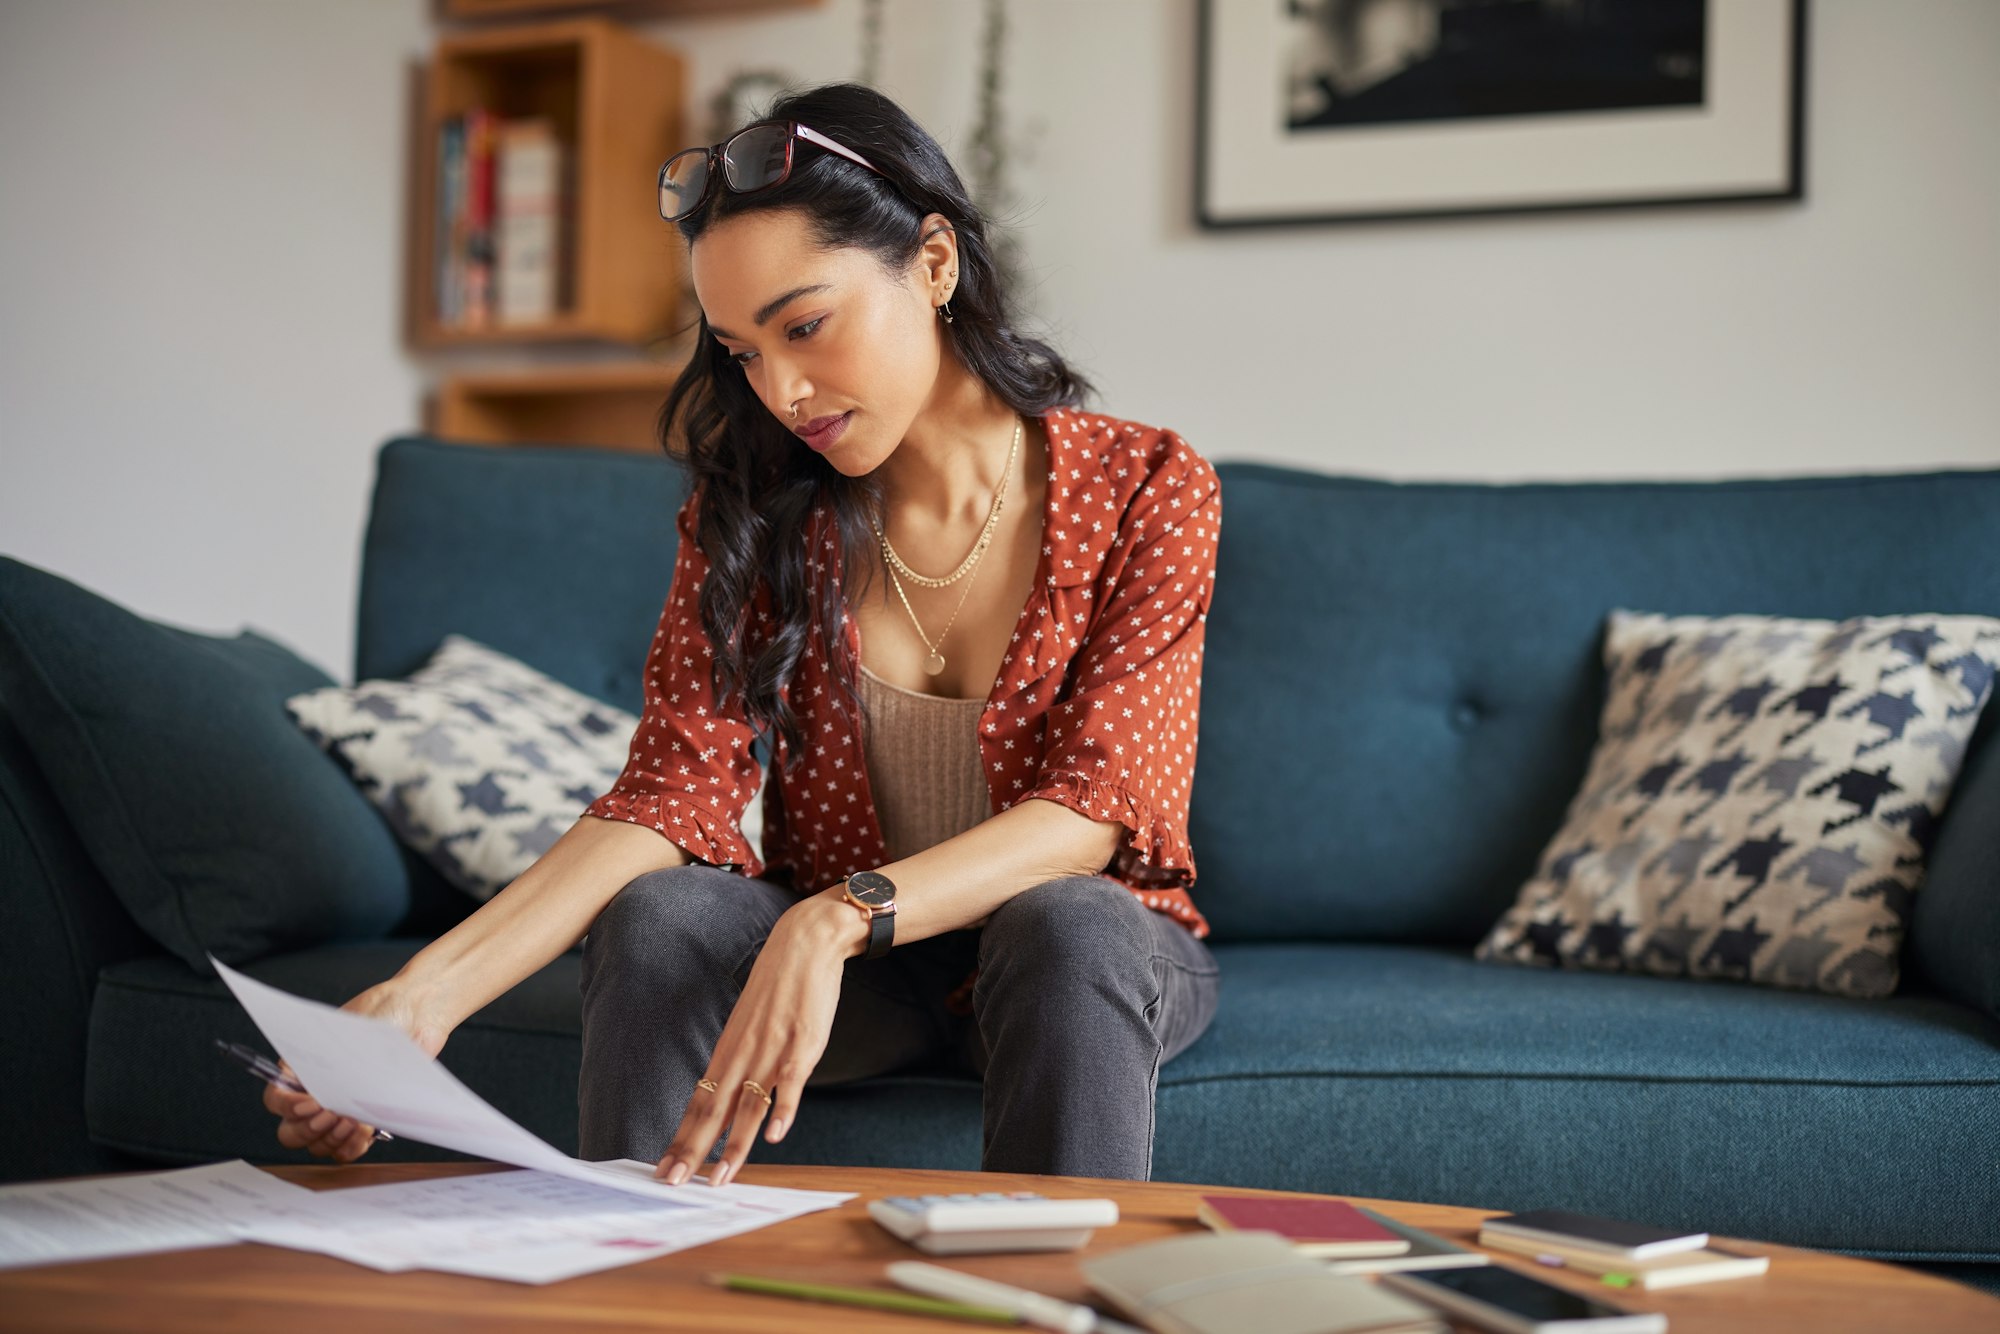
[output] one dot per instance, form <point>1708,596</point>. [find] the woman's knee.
<point>1075,926</point>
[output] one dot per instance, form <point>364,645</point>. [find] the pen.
<point>873,1297</point>
<point>265,1069</point>
<point>1034,1308</point>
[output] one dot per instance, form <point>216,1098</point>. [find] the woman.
<point>977,834</point>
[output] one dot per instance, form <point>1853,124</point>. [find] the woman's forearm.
<point>542,913</point>
<point>959,882</point>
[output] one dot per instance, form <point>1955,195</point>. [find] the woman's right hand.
<point>304,1124</point>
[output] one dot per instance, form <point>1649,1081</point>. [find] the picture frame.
<point>1342,111</point>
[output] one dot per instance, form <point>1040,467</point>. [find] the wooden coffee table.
<point>255,1288</point>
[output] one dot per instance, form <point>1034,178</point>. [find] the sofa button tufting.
<point>1465,715</point>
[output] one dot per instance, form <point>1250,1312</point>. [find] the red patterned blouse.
<point>1094,707</point>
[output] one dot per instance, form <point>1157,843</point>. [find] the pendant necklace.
<point>935,662</point>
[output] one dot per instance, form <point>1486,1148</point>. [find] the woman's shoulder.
<point>1140,468</point>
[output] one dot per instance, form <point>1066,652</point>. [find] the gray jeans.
<point>1083,993</point>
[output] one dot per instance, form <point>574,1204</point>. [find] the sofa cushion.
<point>1762,799</point>
<point>559,556</point>
<point>556,556</point>
<point>1391,1071</point>
<point>1419,1073</point>
<point>477,760</point>
<point>219,826</point>
<point>1390,738</point>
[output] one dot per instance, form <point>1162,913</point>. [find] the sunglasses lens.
<point>756,157</point>
<point>682,181</point>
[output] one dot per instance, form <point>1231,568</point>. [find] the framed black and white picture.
<point>1355,110</point>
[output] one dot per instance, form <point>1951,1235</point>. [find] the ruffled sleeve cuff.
<point>1154,853</point>
<point>702,832</point>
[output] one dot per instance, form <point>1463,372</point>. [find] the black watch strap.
<point>881,934</point>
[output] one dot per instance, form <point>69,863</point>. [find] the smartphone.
<point>1507,1300</point>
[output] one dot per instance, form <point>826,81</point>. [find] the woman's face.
<point>827,331</point>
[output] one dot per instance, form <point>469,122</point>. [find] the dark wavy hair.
<point>756,485</point>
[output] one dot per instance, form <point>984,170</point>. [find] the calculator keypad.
<point>917,1203</point>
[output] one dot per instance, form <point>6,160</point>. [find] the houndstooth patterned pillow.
<point>479,762</point>
<point>1761,800</point>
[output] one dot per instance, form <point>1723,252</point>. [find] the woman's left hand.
<point>775,1036</point>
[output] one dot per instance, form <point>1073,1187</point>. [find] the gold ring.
<point>758,1089</point>
<point>710,1085</point>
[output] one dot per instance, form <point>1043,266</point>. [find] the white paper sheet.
<point>137,1213</point>
<point>524,1227</point>
<point>371,1070</point>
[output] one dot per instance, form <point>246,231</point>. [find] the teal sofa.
<point>1401,694</point>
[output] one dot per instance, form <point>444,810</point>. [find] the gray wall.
<point>199,280</point>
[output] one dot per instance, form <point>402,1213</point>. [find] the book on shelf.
<point>527,220</point>
<point>444,238</point>
<point>1673,1270</point>
<point>474,228</point>
<point>503,187</point>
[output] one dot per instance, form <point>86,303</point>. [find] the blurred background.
<point>223,236</point>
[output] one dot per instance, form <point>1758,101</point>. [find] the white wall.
<point>199,259</point>
<point>200,249</point>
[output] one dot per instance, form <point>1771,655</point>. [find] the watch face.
<point>875,890</point>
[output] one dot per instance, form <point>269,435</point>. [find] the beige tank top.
<point>923,764</point>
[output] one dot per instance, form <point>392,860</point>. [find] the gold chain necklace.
<point>935,662</point>
<point>986,533</point>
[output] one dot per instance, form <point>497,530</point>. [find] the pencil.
<point>879,1298</point>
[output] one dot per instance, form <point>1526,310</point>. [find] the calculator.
<point>1020,1220</point>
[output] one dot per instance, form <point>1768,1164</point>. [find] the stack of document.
<point>559,1218</point>
<point>524,1226</point>
<point>134,1214</point>
<point>528,1227</point>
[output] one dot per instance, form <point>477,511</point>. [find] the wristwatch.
<point>875,894</point>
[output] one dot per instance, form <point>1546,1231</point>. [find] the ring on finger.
<point>758,1089</point>
<point>709,1084</point>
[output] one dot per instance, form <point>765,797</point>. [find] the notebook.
<point>1325,1228</point>
<point>1675,1270</point>
<point>1427,1251</point>
<point>1634,1241</point>
<point>1228,1282</point>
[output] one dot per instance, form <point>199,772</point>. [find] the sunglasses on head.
<point>753,158</point>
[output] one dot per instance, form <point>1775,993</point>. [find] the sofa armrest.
<point>1954,936</point>
<point>63,925</point>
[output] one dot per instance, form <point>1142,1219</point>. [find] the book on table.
<point>1610,1236</point>
<point>1228,1282</point>
<point>1673,1270</point>
<point>1427,1251</point>
<point>1321,1228</point>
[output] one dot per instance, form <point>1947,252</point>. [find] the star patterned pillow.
<point>478,761</point>
<point>1761,800</point>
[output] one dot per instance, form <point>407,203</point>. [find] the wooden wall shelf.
<point>617,104</point>
<point>624,10</point>
<point>614,405</point>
